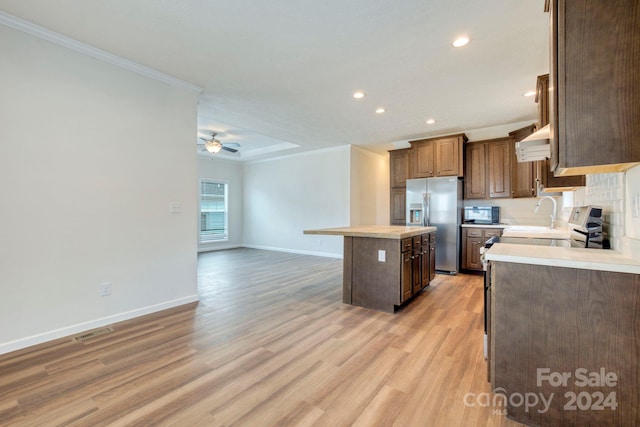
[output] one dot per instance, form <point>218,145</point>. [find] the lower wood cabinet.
<point>418,264</point>
<point>579,327</point>
<point>473,238</point>
<point>383,274</point>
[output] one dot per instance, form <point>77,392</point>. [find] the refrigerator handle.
<point>426,202</point>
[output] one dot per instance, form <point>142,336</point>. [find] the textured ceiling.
<point>283,72</point>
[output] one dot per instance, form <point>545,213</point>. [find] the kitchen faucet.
<point>553,214</point>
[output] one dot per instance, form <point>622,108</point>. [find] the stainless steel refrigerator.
<point>437,202</point>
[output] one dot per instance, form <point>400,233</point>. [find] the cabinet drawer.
<point>474,232</point>
<point>417,242</point>
<point>406,244</point>
<point>425,239</point>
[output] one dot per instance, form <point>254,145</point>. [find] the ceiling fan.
<point>213,146</point>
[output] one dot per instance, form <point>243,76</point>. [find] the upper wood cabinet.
<point>475,177</point>
<point>449,156</point>
<point>399,170</point>
<point>595,86</point>
<point>543,171</point>
<point>488,168</point>
<point>398,167</point>
<point>523,174</point>
<point>423,159</point>
<point>442,156</point>
<point>398,206</point>
<point>500,152</point>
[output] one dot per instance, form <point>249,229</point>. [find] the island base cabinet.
<point>382,274</point>
<point>570,336</point>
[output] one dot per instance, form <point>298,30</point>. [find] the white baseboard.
<point>218,247</point>
<point>93,324</point>
<point>294,251</point>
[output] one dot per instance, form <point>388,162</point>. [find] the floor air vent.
<point>91,334</point>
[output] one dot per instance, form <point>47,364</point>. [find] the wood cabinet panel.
<point>398,167</point>
<point>500,153</point>
<point>398,206</point>
<point>523,174</point>
<point>596,102</point>
<point>589,322</point>
<point>406,287</point>
<point>475,178</point>
<point>448,157</point>
<point>423,155</point>
<point>488,168</point>
<point>432,260</point>
<point>442,156</point>
<point>473,238</point>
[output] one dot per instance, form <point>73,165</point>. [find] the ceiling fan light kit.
<point>214,146</point>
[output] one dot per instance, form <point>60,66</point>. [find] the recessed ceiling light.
<point>461,41</point>
<point>430,121</point>
<point>358,95</point>
<point>380,110</point>
<point>529,93</point>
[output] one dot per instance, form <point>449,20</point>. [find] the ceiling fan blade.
<point>231,150</point>
<point>232,144</point>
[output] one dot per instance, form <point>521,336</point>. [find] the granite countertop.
<point>375,231</point>
<point>586,259</point>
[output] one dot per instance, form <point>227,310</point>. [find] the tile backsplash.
<point>606,190</point>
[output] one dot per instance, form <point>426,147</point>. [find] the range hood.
<point>534,147</point>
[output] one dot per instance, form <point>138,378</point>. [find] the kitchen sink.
<point>531,228</point>
<point>535,231</point>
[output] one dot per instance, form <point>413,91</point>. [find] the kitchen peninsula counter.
<point>579,258</point>
<point>384,266</point>
<point>376,231</point>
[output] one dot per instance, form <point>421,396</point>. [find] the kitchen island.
<point>384,266</point>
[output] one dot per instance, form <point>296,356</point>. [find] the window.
<point>213,211</point>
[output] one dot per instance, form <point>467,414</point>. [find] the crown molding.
<point>69,43</point>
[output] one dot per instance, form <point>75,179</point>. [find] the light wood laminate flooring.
<point>269,344</point>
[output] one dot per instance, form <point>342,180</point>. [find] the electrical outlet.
<point>105,289</point>
<point>175,208</point>
<point>382,255</point>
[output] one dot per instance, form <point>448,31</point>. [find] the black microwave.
<point>482,215</point>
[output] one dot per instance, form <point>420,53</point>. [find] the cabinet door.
<point>472,250</point>
<point>448,157</point>
<point>523,174</point>
<point>398,167</point>
<point>398,206</point>
<point>500,168</point>
<point>423,159</point>
<point>432,261</point>
<point>475,180</point>
<point>406,289</point>
<point>416,270</point>
<point>425,274</point>
<point>596,64</point>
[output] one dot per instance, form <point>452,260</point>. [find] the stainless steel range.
<point>585,223</point>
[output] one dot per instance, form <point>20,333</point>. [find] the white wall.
<point>231,173</point>
<point>91,156</point>
<point>369,188</point>
<point>284,196</point>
